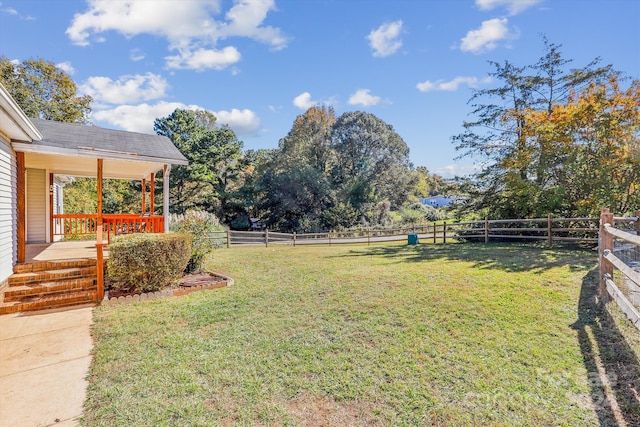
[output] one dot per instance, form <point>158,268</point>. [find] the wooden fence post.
<point>228,238</point>
<point>486,230</point>
<point>435,231</point>
<point>266,238</point>
<point>549,230</point>
<point>605,242</point>
<point>294,238</point>
<point>444,232</point>
<point>637,224</point>
<point>368,237</point>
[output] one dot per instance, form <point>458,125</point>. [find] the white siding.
<point>8,219</point>
<point>36,206</point>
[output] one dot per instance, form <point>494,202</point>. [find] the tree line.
<point>550,138</point>
<point>328,172</point>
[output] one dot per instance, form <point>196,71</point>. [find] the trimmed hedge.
<point>148,262</point>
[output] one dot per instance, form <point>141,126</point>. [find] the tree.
<point>296,199</point>
<point>308,143</point>
<point>372,162</point>
<point>330,173</point>
<point>511,185</point>
<point>213,155</point>
<point>425,184</point>
<point>250,195</point>
<point>594,137</point>
<point>296,186</point>
<point>44,91</point>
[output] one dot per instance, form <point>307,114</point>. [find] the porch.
<point>64,250</point>
<point>37,158</point>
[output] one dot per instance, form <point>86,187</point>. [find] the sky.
<point>258,64</point>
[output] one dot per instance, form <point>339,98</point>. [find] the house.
<point>37,157</point>
<point>437,201</point>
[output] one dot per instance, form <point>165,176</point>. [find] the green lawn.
<point>386,335</point>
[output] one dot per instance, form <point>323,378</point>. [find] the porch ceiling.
<point>86,166</point>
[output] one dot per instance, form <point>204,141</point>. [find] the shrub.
<point>412,213</point>
<point>148,262</point>
<point>199,224</point>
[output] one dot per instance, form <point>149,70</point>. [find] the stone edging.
<point>150,296</point>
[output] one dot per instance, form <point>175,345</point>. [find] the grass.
<point>446,335</point>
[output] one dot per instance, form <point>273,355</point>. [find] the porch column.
<point>51,225</point>
<point>152,193</point>
<point>144,196</point>
<point>99,195</point>
<point>21,207</point>
<point>99,241</point>
<point>165,196</point>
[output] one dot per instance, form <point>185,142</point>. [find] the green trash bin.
<point>412,239</point>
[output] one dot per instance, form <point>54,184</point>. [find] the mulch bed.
<point>187,282</point>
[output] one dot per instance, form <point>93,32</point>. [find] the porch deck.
<point>63,250</point>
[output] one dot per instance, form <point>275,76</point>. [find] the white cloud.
<point>245,19</point>
<point>138,118</point>
<point>364,97</point>
<point>385,40</point>
<point>451,85</point>
<point>188,26</point>
<point>189,20</point>
<point>303,101</point>
<point>513,6</point>
<point>66,67</point>
<point>14,12</point>
<point>243,123</point>
<point>136,55</point>
<point>486,37</point>
<point>203,59</point>
<point>125,90</point>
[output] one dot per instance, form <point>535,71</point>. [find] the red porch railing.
<point>112,224</point>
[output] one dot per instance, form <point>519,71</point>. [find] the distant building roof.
<point>117,143</point>
<point>436,201</point>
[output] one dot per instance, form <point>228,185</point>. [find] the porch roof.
<point>66,148</point>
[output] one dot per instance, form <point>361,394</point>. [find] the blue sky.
<point>257,64</point>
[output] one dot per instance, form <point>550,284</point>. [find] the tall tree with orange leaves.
<point>585,154</point>
<point>530,165</point>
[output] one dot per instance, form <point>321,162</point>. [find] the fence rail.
<point>625,292</point>
<point>546,229</point>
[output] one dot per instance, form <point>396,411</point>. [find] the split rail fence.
<point>547,229</point>
<point>619,256</point>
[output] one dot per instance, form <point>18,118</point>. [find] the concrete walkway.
<point>44,360</point>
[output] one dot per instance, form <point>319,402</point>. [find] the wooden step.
<point>33,266</point>
<point>52,301</point>
<point>20,279</point>
<point>30,291</point>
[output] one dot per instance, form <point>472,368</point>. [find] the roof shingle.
<point>76,136</point>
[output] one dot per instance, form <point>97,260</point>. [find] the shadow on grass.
<point>611,363</point>
<point>511,257</point>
